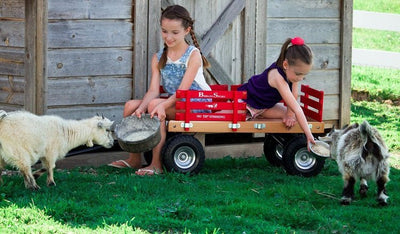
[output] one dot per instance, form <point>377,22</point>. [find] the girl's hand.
<point>289,120</point>
<point>310,140</point>
<point>138,112</point>
<point>159,111</point>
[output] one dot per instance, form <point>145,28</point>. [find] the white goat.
<point>361,154</point>
<point>25,138</point>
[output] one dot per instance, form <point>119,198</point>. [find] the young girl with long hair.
<point>177,66</point>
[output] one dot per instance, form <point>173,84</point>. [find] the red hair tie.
<point>297,41</point>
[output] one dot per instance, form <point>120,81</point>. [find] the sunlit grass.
<point>385,6</point>
<point>227,196</point>
<point>380,83</point>
<point>376,39</point>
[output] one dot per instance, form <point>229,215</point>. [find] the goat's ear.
<point>327,139</point>
<point>89,143</point>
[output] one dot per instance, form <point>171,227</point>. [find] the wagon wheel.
<point>298,161</point>
<point>274,145</point>
<point>184,154</point>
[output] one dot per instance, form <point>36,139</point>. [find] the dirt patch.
<point>363,95</point>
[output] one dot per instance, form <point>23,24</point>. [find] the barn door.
<point>220,29</point>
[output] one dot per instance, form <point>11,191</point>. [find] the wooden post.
<point>345,72</point>
<point>35,56</point>
<point>140,50</point>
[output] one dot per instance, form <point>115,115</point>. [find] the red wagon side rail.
<point>222,111</point>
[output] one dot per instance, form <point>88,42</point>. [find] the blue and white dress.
<point>173,72</point>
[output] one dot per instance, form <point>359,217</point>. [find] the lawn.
<point>227,196</point>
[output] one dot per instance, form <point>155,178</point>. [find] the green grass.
<point>376,39</point>
<point>380,83</point>
<point>385,6</point>
<point>228,196</point>
<point>386,118</point>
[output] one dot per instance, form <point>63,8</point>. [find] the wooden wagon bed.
<point>225,112</point>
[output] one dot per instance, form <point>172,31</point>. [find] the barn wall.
<point>89,60</point>
<point>12,71</point>
<point>97,57</point>
<point>254,38</point>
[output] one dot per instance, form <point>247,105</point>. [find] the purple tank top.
<point>260,94</point>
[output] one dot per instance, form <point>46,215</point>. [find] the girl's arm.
<point>290,117</point>
<point>278,82</point>
<point>154,89</point>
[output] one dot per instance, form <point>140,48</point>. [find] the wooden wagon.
<point>223,111</point>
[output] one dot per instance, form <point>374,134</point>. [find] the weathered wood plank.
<point>113,112</point>
<point>88,90</point>
<point>12,33</point>
<point>261,36</point>
<point>90,9</point>
<point>141,53</point>
<point>271,126</point>
<point>312,30</point>
<point>210,38</point>
<point>218,72</point>
<point>12,90</point>
<point>90,33</point>
<point>331,107</point>
<point>304,8</point>
<point>35,55</point>
<point>325,80</point>
<point>12,61</point>
<point>250,40</point>
<point>345,62</point>
<point>89,62</point>
<point>325,56</point>
<point>12,9</point>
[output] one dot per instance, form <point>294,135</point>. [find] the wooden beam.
<point>217,72</point>
<point>35,56</point>
<point>256,126</point>
<point>345,71</point>
<point>210,38</point>
<point>140,50</point>
<point>250,40</point>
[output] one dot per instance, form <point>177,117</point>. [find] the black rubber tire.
<point>298,161</point>
<point>184,154</point>
<point>274,145</point>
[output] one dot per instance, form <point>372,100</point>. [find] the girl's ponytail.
<point>297,50</point>
<point>206,64</point>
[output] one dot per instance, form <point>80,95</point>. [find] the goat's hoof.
<point>363,191</point>
<point>33,187</point>
<point>382,202</point>
<point>51,184</point>
<point>345,201</point>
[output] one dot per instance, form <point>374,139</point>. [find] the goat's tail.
<point>2,114</point>
<point>366,129</point>
<point>373,141</point>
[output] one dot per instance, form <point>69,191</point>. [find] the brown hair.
<point>179,12</point>
<point>294,52</point>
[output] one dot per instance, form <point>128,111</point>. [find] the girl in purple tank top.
<point>280,81</point>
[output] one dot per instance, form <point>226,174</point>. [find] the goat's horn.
<point>102,115</point>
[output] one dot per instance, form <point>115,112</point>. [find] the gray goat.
<point>361,154</point>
